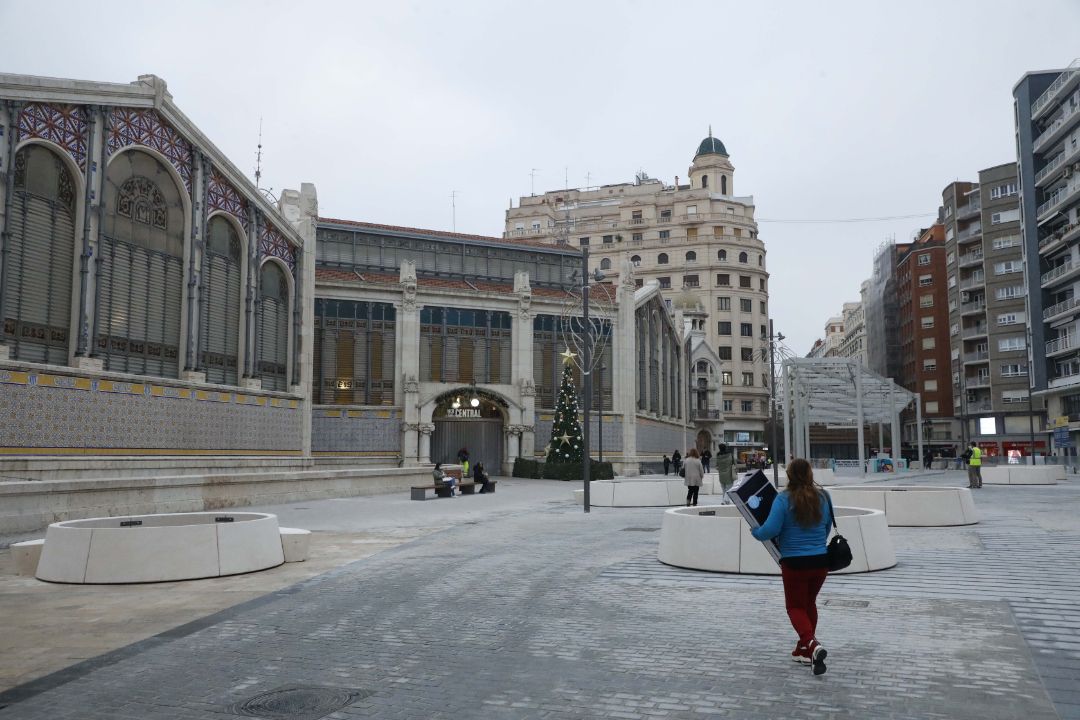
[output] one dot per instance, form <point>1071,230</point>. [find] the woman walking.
<point>693,474</point>
<point>800,516</point>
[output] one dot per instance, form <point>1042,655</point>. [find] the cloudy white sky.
<point>830,110</point>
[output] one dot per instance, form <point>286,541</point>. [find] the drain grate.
<point>299,702</point>
<point>848,603</point>
<point>640,529</point>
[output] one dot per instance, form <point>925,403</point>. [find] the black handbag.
<point>838,554</point>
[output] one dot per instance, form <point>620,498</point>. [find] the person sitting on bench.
<point>480,476</point>
<point>442,478</point>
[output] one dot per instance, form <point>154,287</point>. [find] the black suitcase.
<point>753,496</point>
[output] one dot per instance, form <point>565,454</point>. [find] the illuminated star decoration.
<point>568,356</point>
<point>565,438</point>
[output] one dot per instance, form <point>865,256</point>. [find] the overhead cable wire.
<point>847,220</point>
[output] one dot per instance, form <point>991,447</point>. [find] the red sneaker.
<point>801,654</point>
<point>817,657</point>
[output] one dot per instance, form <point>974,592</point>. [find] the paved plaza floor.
<point>519,605</point>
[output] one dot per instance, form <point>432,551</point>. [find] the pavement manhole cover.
<point>848,603</point>
<point>301,702</point>
<point>640,529</point>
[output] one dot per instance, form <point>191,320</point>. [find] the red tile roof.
<point>450,235</point>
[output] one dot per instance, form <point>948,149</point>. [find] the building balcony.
<point>971,308</point>
<point>976,357</point>
<point>974,231</point>
<point>971,258</point>
<point>704,414</point>
<point>1056,129</point>
<point>1064,81</point>
<point>975,332</point>
<point>979,381</point>
<point>528,233</point>
<point>1058,164</point>
<point>1061,236</point>
<point>1062,308</point>
<point>1055,273</point>
<point>1058,198</point>
<point>1060,345</point>
<point>975,281</point>
<point>971,209</point>
<point>980,406</point>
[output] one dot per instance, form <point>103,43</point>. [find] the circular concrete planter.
<point>1022,474</point>
<point>157,548</point>
<point>912,506</point>
<point>723,543</point>
<point>631,492</point>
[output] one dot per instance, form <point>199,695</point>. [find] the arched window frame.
<point>743,257</point>
<point>704,181</point>
<point>636,260</point>
<point>185,200</point>
<point>721,255</point>
<point>289,281</point>
<point>662,259</point>
<point>241,345</point>
<point>605,264</point>
<point>79,189</point>
<point>691,256</point>
<point>723,184</point>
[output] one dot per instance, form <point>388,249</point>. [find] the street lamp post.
<point>586,373</point>
<point>773,339</point>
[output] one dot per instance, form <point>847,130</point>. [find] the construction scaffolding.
<point>841,392</point>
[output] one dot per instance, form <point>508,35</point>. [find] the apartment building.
<point>987,316</point>
<point>698,237</point>
<point>923,302</point>
<point>1047,113</point>
<point>854,342</point>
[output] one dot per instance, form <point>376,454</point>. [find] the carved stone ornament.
<point>411,385</point>
<point>408,300</point>
<point>410,427</point>
<point>524,306</point>
<point>426,428</point>
<point>528,389</point>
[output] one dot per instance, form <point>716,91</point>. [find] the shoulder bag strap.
<point>831,513</point>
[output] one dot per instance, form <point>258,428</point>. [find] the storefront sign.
<point>463,413</point>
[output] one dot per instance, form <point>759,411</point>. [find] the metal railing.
<point>980,381</point>
<point>1055,272</point>
<point>973,282</point>
<point>977,356</point>
<point>1048,134</point>
<point>1059,196</point>
<point>700,414</point>
<point>1056,164</point>
<point>972,307</point>
<point>1069,231</point>
<point>1061,307</point>
<point>972,208</point>
<point>971,257</point>
<point>1061,81</point>
<point>977,331</point>
<point>981,406</point>
<point>975,229</point>
<point>1065,342</point>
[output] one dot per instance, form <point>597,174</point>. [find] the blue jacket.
<point>795,540</point>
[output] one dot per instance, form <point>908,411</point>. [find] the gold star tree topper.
<point>568,356</point>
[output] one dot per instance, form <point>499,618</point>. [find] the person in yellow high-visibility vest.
<point>974,466</point>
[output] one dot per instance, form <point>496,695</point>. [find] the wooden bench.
<point>468,487</point>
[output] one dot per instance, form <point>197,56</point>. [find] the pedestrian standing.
<point>800,517</point>
<point>667,464</point>
<point>974,460</point>
<point>706,458</point>
<point>676,461</point>
<point>693,475</point>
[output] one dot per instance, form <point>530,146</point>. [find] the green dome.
<point>711,146</point>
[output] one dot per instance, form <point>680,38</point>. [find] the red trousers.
<point>801,589</point>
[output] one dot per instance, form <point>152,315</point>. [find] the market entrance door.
<point>471,422</point>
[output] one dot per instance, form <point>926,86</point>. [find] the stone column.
<point>196,291</point>
<point>92,223</point>
<point>302,211</point>
<point>9,117</point>
<point>426,430</point>
<point>522,369</point>
<point>408,343</point>
<point>624,378</point>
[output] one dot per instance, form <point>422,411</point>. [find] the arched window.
<point>220,321</point>
<point>139,296</point>
<point>691,256</point>
<point>272,342</point>
<point>661,259</point>
<point>39,257</point>
<point>743,257</point>
<point>721,255</point>
<point>761,260</point>
<point>605,264</point>
<point>703,367</point>
<point>636,260</point>
<point>704,181</point>
<point>723,184</point>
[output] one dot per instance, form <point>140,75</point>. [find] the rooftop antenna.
<point>588,177</point>
<point>258,157</point>
<point>532,180</point>
<point>453,208</point>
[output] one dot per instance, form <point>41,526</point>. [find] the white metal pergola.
<point>841,392</point>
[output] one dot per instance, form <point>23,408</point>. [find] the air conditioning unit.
<point>1069,171</point>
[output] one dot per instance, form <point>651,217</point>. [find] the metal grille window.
<point>354,352</point>
<point>549,339</point>
<point>38,261</point>
<point>220,321</point>
<point>464,346</point>
<point>139,296</point>
<point>272,341</point>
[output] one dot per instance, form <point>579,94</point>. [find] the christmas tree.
<point>566,443</point>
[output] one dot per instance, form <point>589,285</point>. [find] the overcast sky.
<point>830,110</point>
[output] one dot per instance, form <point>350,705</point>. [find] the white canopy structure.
<point>840,392</point>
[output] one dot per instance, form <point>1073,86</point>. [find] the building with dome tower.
<point>695,239</point>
